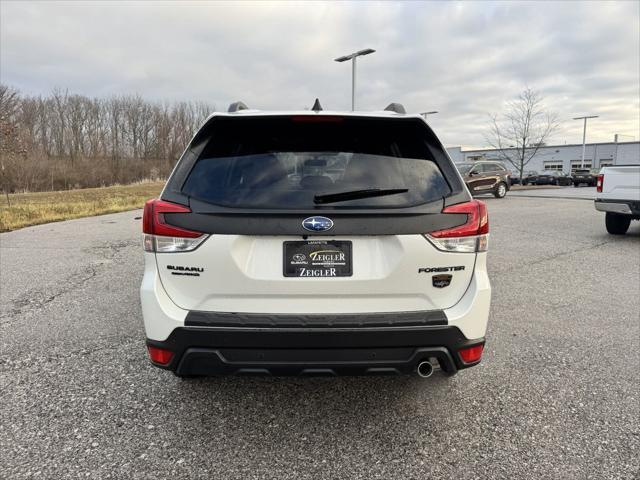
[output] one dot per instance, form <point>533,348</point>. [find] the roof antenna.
<point>316,106</point>
<point>395,107</point>
<point>236,107</point>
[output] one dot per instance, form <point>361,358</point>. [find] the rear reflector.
<point>159,355</point>
<point>472,236</point>
<point>159,236</point>
<point>471,354</point>
<point>599,183</point>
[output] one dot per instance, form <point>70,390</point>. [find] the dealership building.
<point>565,158</point>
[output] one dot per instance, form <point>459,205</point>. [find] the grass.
<point>43,207</point>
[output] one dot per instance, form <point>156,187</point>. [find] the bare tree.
<point>519,133</point>
<point>63,140</point>
<point>9,103</point>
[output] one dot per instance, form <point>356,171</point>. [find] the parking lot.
<point>583,192</point>
<point>556,396</point>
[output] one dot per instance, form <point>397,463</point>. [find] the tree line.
<point>63,140</point>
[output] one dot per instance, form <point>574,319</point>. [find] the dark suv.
<point>486,177</point>
<point>586,176</point>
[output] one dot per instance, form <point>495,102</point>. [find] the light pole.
<point>353,57</point>
<point>584,135</point>
<point>425,114</point>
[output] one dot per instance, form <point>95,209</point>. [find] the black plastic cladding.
<point>263,223</point>
<point>210,218</point>
<point>319,348</point>
<point>349,320</point>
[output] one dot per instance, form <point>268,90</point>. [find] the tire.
<point>501,190</point>
<point>617,224</point>
<point>576,184</point>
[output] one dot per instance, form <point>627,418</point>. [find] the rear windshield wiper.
<point>355,194</point>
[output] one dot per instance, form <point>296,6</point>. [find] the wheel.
<point>524,182</point>
<point>617,224</point>
<point>576,184</point>
<point>501,190</point>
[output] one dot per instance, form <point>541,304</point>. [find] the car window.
<point>464,168</point>
<point>284,162</point>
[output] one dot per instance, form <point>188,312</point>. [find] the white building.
<point>562,157</point>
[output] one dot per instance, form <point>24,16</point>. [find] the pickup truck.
<point>618,194</point>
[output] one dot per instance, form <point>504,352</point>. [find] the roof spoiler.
<point>237,106</point>
<point>395,107</point>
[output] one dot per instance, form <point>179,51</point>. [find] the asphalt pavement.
<point>557,395</point>
<point>583,192</point>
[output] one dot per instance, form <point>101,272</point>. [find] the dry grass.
<point>43,207</point>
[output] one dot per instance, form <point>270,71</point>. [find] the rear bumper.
<point>313,351</point>
<point>625,207</point>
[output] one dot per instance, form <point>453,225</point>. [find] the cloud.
<point>462,59</point>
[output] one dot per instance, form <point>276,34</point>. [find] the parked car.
<point>618,194</point>
<point>266,255</point>
<point>486,177</point>
<point>585,176</point>
<point>527,177</point>
<point>552,177</point>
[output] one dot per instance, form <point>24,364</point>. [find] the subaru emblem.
<point>317,224</point>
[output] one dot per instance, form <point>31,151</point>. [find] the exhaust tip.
<point>425,369</point>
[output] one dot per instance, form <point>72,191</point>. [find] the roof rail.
<point>395,107</point>
<point>316,106</point>
<point>237,106</point>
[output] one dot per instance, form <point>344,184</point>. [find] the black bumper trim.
<point>394,319</point>
<point>313,351</point>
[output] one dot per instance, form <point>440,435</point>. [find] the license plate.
<point>317,258</point>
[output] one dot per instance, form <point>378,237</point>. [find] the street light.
<point>424,114</point>
<point>584,136</point>
<point>353,57</point>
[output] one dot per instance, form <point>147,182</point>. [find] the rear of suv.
<point>315,243</point>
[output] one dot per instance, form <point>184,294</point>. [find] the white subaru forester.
<point>315,243</point>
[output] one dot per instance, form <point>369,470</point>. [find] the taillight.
<point>159,355</point>
<point>599,183</point>
<point>471,354</point>
<point>159,236</point>
<point>472,236</point>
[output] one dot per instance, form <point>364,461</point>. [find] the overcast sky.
<point>462,59</point>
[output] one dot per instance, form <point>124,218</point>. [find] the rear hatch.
<point>316,214</point>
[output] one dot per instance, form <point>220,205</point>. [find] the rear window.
<point>287,162</point>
